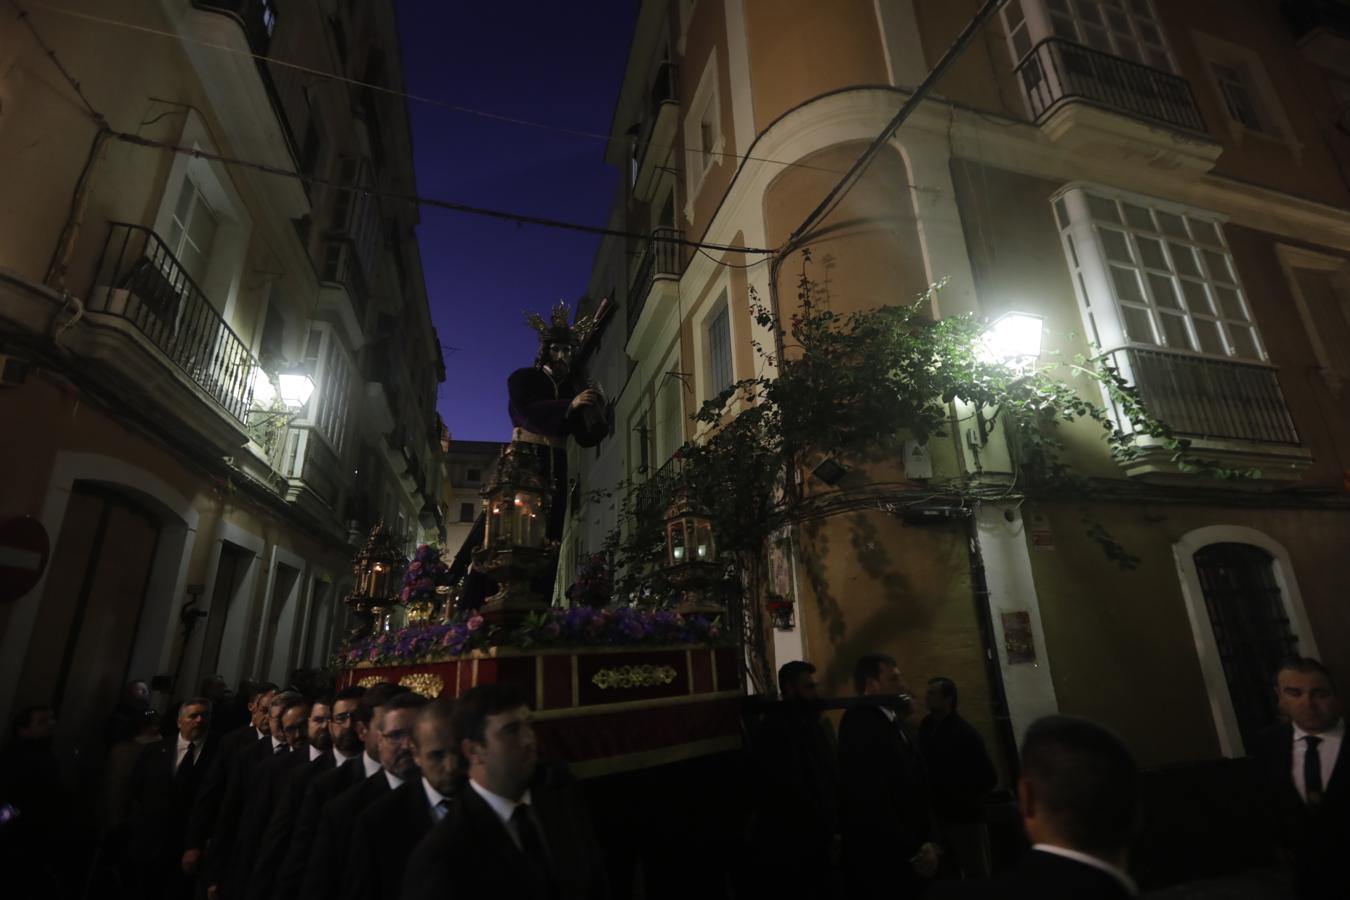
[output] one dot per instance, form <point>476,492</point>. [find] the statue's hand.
<point>588,397</point>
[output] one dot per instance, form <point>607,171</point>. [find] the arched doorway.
<point>1251,626</point>
<point>80,652</point>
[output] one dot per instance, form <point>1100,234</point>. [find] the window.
<point>1160,296</point>
<point>332,371</point>
<point>192,230</point>
<point>718,341</point>
<point>1239,95</point>
<point>473,476</point>
<point>268,9</point>
<point>1155,275</point>
<point>1124,28</point>
<point>466,512</point>
<point>272,345</point>
<point>703,139</point>
<point>1252,631</point>
<point>1244,91</point>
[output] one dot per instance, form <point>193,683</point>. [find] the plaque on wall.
<point>1017,639</point>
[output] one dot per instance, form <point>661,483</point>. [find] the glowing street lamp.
<point>1013,339</point>
<point>296,389</point>
<point>515,548</point>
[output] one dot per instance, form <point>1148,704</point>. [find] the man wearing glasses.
<point>392,726</point>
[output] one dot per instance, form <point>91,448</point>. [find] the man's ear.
<point>361,729</point>
<point>467,751</point>
<point>1026,797</point>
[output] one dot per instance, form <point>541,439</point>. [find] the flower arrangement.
<point>576,626</point>
<point>594,585</point>
<point>425,573</point>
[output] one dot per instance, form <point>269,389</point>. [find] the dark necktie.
<point>441,810</point>
<point>280,749</point>
<point>530,840</point>
<point>185,767</point>
<point>1312,771</point>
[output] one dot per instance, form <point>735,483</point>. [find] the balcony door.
<point>192,230</point>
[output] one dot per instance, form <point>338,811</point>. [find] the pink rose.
<point>474,623</point>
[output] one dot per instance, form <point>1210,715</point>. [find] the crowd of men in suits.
<point>894,808</point>
<point>381,793</point>
<point>369,793</point>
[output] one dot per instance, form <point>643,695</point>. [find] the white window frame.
<point>1274,121</point>
<point>328,412</point>
<point>698,159</point>
<point>669,417</point>
<point>1096,278</point>
<point>223,277</point>
<point>1206,647</point>
<point>1336,373</point>
<point>1039,18</point>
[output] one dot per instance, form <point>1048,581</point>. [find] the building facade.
<point>1163,182</point>
<point>470,466</point>
<point>222,377</point>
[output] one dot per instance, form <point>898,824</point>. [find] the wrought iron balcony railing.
<point>1210,398</point>
<point>660,259</point>
<point>139,279</point>
<point>1057,71</point>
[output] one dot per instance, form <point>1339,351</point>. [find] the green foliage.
<point>850,385</point>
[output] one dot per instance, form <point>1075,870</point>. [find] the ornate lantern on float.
<point>378,568</point>
<point>691,554</point>
<point>515,546</point>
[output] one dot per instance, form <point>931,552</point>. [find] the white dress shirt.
<point>394,781</point>
<point>182,752</point>
<point>276,743</point>
<point>260,734</point>
<point>502,807</point>
<point>372,766</point>
<point>341,758</point>
<point>436,798</point>
<point>1126,881</point>
<point>314,753</point>
<point>1327,751</point>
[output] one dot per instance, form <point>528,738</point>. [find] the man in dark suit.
<point>886,818</point>
<point>796,789</point>
<point>238,786</point>
<point>393,726</point>
<point>290,790</point>
<point>352,733</point>
<point>515,828</point>
<point>1079,798</point>
<point>206,807</point>
<point>267,780</point>
<point>164,783</point>
<point>387,831</point>
<point>1305,769</point>
<point>960,776</point>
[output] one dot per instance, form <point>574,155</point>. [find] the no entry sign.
<point>24,549</point>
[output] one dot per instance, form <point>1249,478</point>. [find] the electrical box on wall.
<point>918,464</point>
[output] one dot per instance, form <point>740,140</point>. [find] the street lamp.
<point>1013,339</point>
<point>515,545</point>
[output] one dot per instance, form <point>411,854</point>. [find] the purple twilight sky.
<point>555,64</point>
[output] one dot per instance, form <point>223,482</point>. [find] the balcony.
<point>313,473</point>
<point>1322,29</point>
<point>660,262</point>
<point>1107,106</point>
<point>1057,71</point>
<point>656,131</point>
<point>1231,411</point>
<point>247,95</point>
<point>140,287</point>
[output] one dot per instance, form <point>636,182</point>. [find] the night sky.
<point>551,63</point>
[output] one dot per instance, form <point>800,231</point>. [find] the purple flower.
<point>474,623</point>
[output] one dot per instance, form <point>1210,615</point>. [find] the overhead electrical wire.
<point>393,92</point>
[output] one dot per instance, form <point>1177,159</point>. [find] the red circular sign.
<point>23,555</point>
